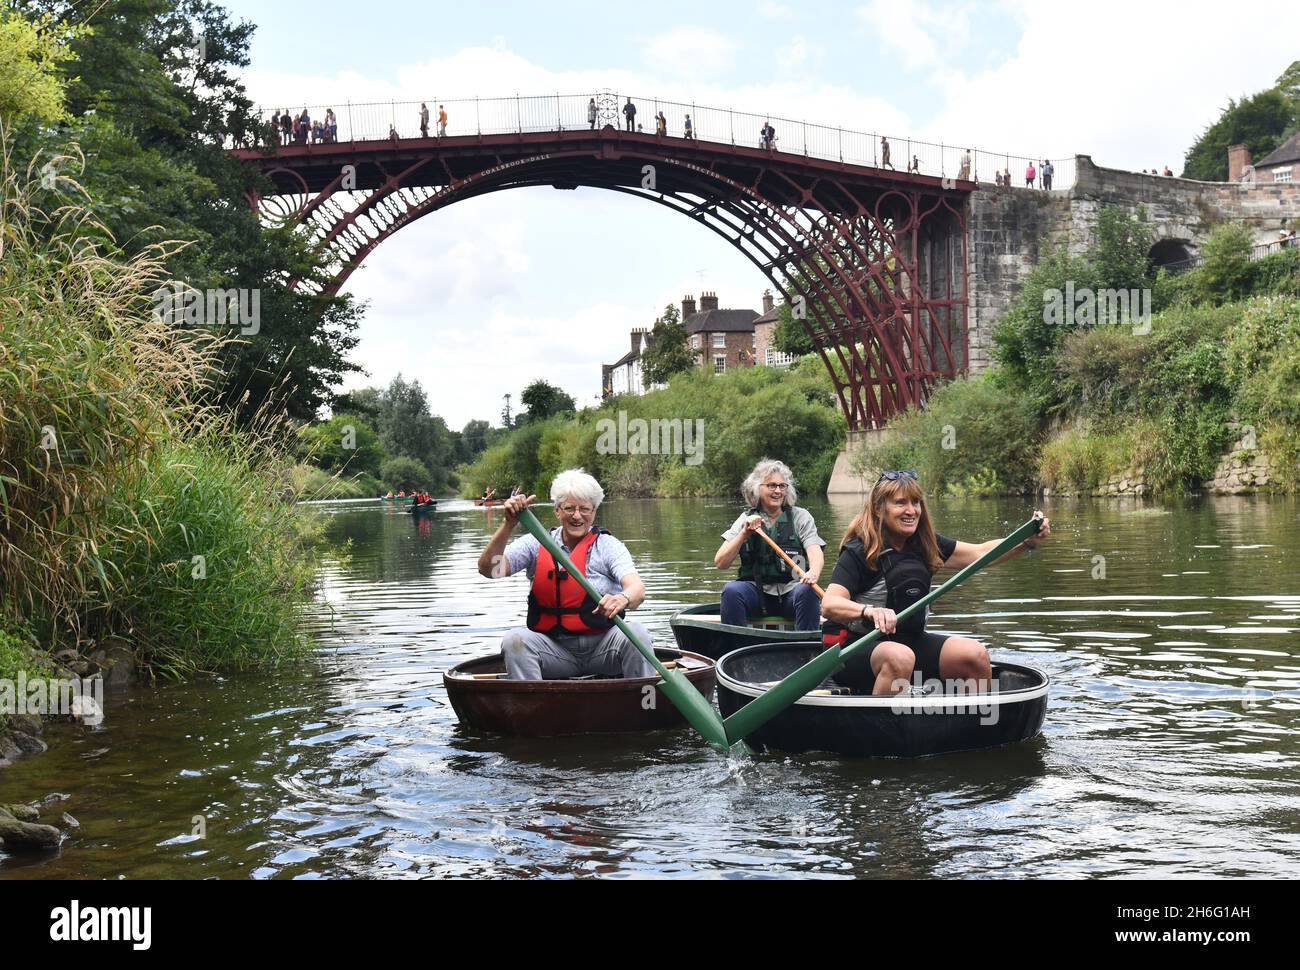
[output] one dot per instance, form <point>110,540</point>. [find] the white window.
<point>695,342</point>
<point>1282,174</point>
<point>719,363</point>
<point>719,341</point>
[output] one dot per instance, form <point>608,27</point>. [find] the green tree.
<point>667,351</point>
<point>790,336</point>
<point>403,473</point>
<point>155,102</point>
<point>31,52</point>
<point>343,443</point>
<point>407,428</point>
<point>1259,122</point>
<point>1122,249</point>
<point>543,399</point>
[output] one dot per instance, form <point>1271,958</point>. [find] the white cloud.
<point>1126,83</point>
<point>775,11</point>
<point>691,52</point>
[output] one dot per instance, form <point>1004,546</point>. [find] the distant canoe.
<point>700,628</point>
<point>425,508</point>
<point>403,499</point>
<point>863,726</point>
<point>485,699</point>
<point>489,504</point>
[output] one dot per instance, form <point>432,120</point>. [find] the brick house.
<point>1281,165</point>
<point>721,338</point>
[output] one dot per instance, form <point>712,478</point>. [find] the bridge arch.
<point>878,259</point>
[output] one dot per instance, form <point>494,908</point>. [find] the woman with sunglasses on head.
<point>888,557</point>
<point>568,634</point>
<point>767,586</point>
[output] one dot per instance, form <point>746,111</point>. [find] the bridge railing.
<point>377,121</point>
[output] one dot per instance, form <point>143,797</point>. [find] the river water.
<point>1169,749</point>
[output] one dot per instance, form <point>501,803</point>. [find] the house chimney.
<point>638,334</point>
<point>708,301</point>
<point>1238,162</point>
<point>767,301</point>
<point>688,307</point>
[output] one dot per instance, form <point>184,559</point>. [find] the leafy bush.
<point>974,437</point>
<point>403,474</point>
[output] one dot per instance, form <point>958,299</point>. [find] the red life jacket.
<point>557,603</point>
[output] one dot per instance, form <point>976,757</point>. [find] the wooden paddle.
<point>676,687</point>
<point>809,677</point>
<point>789,562</point>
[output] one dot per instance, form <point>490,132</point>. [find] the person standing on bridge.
<point>1031,175</point>
<point>1048,171</point>
<point>629,113</point>
<point>442,121</point>
<point>591,113</point>
<point>424,120</point>
<point>689,129</point>
<point>915,167</point>
<point>661,124</point>
<point>964,174</point>
<point>331,126</point>
<point>884,153</point>
<point>286,126</point>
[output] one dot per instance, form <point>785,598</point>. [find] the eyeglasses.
<point>778,486</point>
<point>583,510</point>
<point>896,476</point>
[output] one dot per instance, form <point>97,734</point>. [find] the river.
<point>1169,748</point>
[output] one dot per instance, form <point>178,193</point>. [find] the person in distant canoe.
<point>489,493</point>
<point>568,634</point>
<point>887,560</point>
<point>767,586</point>
<point>517,490</point>
<point>390,494</point>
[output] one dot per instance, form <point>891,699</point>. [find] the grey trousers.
<point>536,656</point>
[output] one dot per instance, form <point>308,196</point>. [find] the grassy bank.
<point>127,509</point>
<point>735,419</point>
<point>1069,407</point>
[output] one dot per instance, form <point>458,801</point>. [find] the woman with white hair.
<point>568,634</point>
<point>766,585</point>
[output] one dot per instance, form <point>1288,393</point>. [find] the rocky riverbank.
<point>27,828</point>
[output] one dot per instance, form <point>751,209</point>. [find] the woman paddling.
<point>889,554</point>
<point>767,585</point>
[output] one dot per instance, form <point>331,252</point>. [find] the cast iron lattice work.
<point>876,258</point>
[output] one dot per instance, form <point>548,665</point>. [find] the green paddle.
<point>763,708</point>
<point>694,707</point>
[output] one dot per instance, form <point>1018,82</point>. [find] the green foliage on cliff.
<point>1219,362</point>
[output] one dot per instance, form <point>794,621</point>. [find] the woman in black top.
<point>889,554</point>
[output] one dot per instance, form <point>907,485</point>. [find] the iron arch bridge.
<point>872,260</point>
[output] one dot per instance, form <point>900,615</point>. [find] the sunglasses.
<point>896,476</point>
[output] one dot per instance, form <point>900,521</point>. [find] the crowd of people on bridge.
<point>1036,176</point>
<point>290,129</point>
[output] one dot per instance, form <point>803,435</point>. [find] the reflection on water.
<point>1169,747</point>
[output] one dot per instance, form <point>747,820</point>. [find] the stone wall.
<point>1243,471</point>
<point>1010,228</point>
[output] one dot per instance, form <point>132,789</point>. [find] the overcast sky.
<point>484,297</point>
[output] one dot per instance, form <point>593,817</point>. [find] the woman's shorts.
<point>857,674</point>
